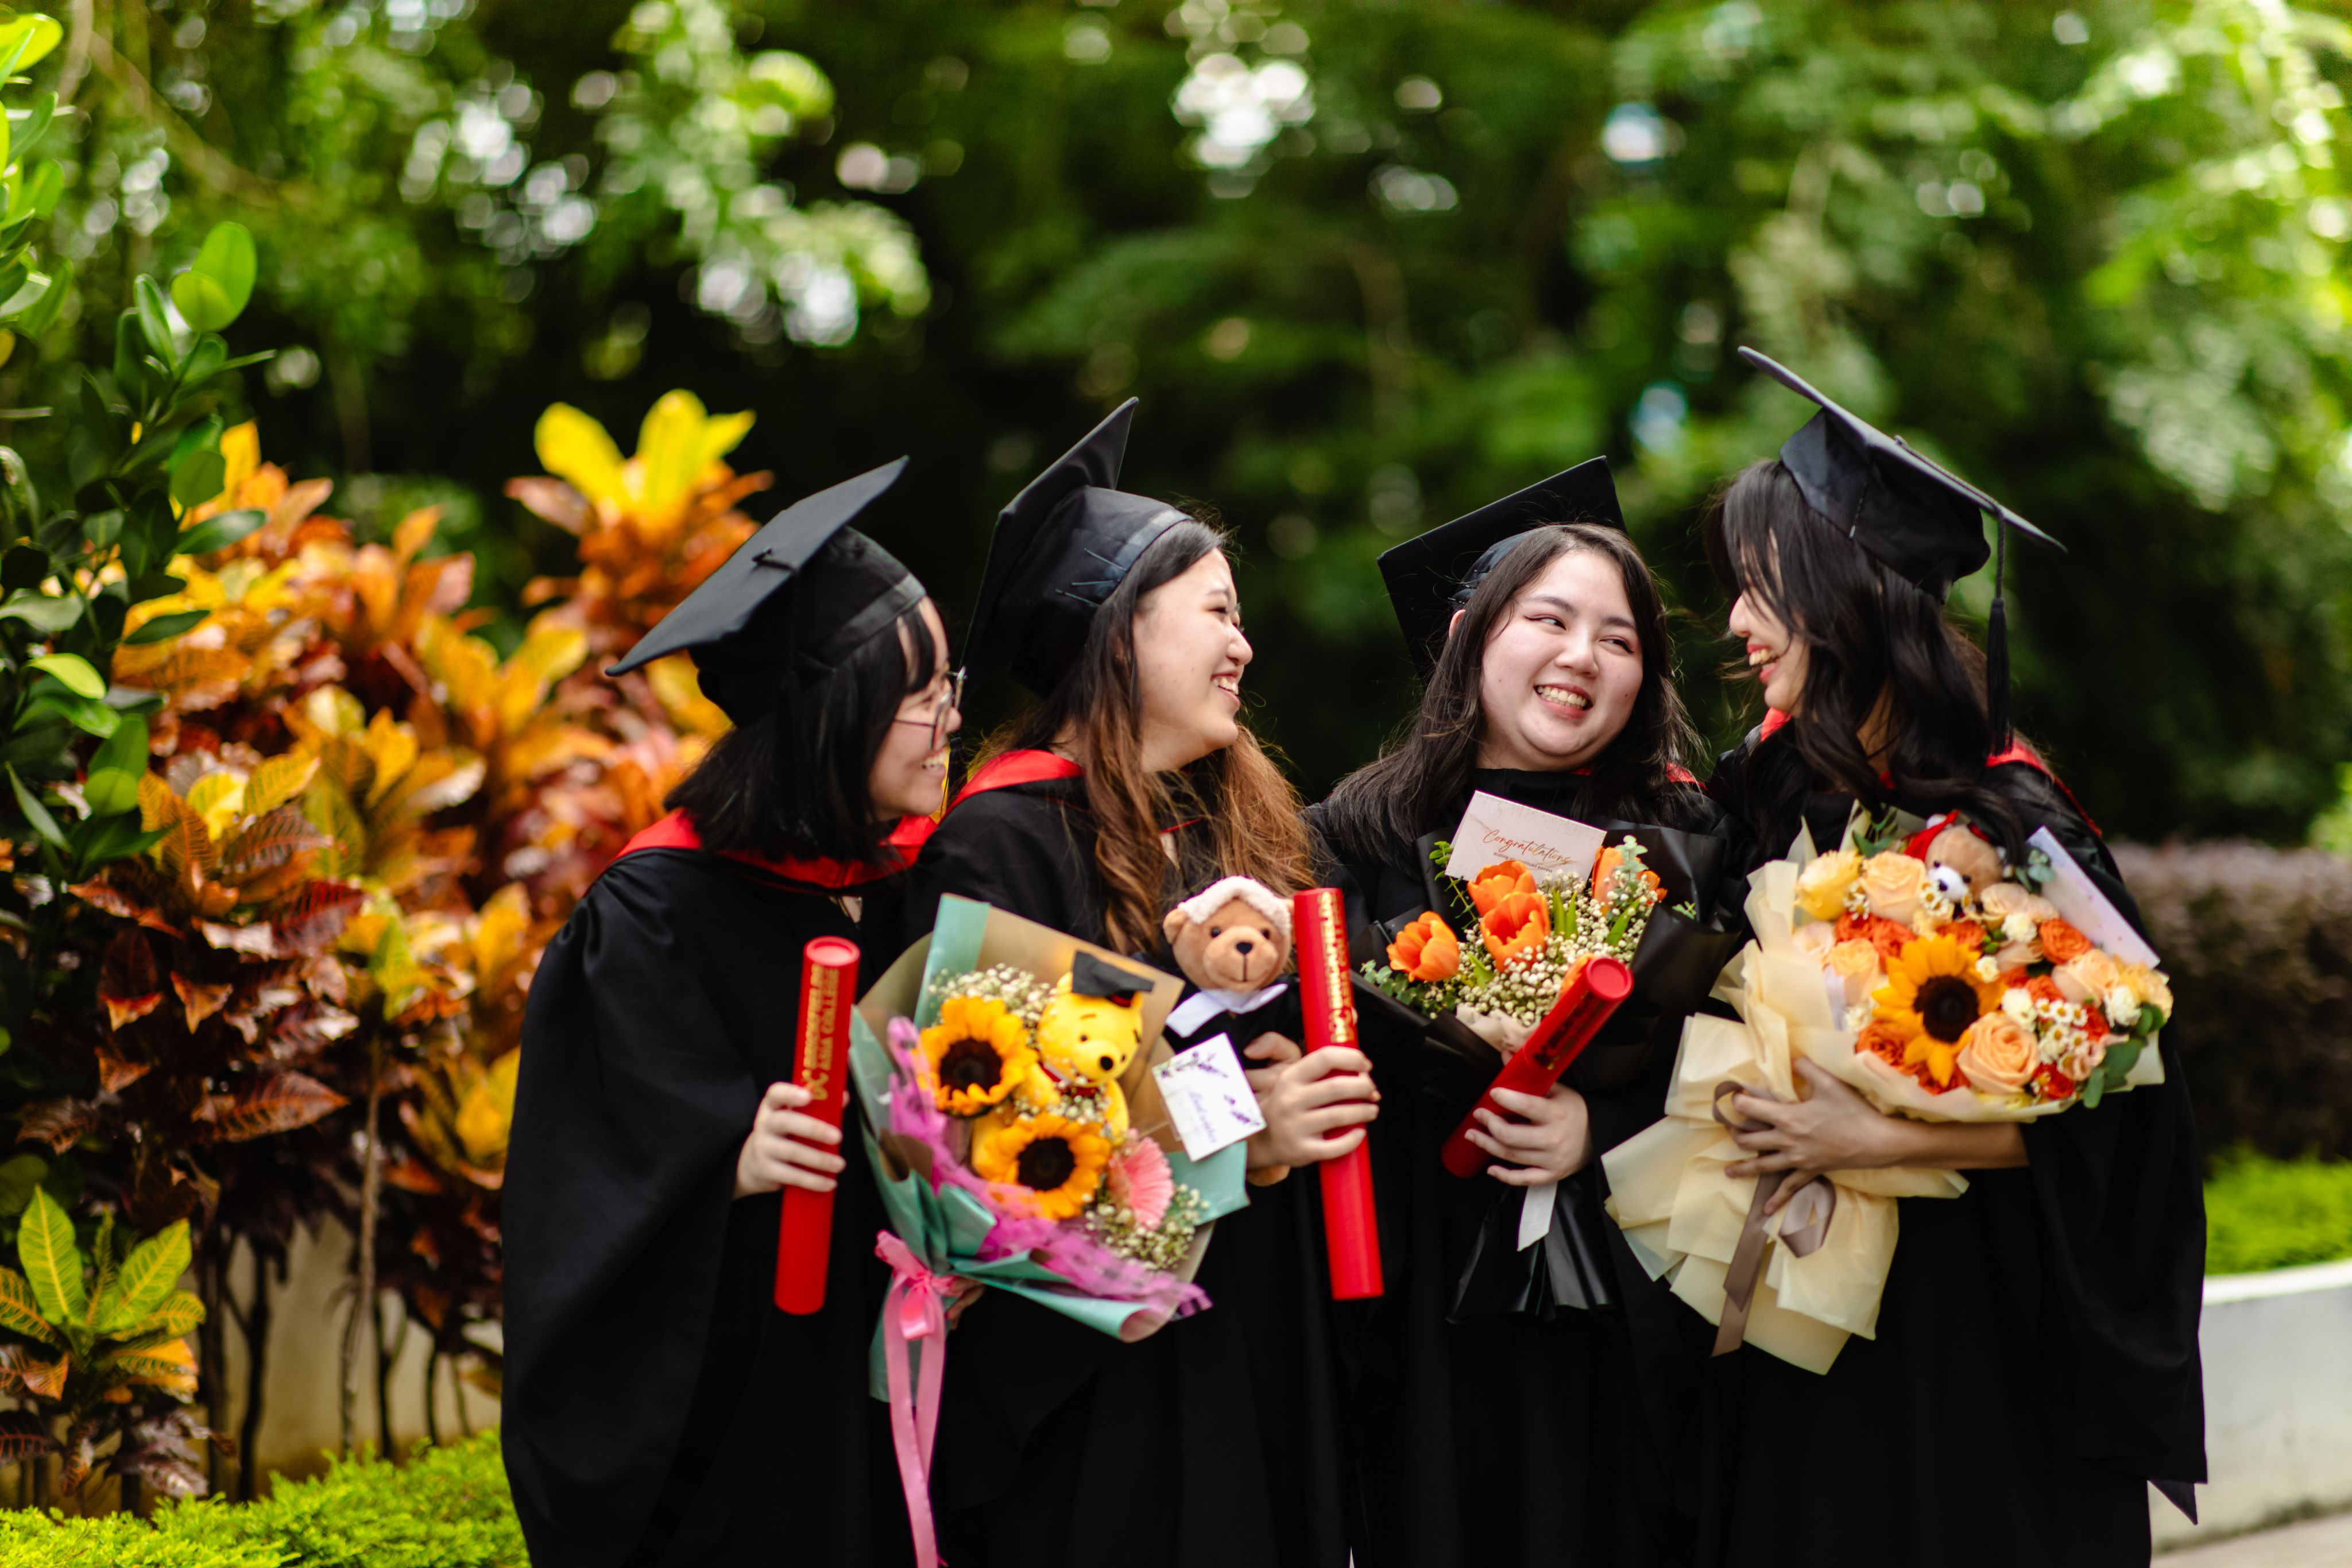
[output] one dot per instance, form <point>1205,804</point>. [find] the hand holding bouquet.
<point>1938,980</point>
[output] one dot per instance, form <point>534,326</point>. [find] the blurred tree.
<point>1368,265</point>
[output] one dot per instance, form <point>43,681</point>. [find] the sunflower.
<point>1932,992</point>
<point>977,1052</point>
<point>1059,1161</point>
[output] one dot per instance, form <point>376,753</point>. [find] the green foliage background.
<point>2094,259</point>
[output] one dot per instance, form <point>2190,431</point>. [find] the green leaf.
<point>110,791</point>
<point>154,320</point>
<point>203,303</point>
<point>25,39</point>
<point>167,626</point>
<point>34,812</point>
<point>118,837</point>
<point>198,478</point>
<point>148,1277</point>
<point>226,261</point>
<point>126,749</point>
<point>154,585</point>
<point>25,137</point>
<point>27,295</point>
<point>75,672</point>
<point>53,1264</point>
<point>91,716</point>
<point>42,613</point>
<point>47,184</point>
<point>18,1177</point>
<point>222,531</point>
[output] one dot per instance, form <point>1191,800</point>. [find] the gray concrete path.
<point>2320,1544</point>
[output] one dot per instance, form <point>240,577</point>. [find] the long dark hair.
<point>796,781</point>
<point>1250,809</point>
<point>1425,773</point>
<point>1879,652</point>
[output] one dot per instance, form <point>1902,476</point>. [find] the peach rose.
<point>2083,1060</point>
<point>1821,885</point>
<point>1999,1057</point>
<point>1854,969</point>
<point>1977,862</point>
<point>1893,882</point>
<point>2149,985</point>
<point>2087,977</point>
<point>2003,899</point>
<point>2063,942</point>
<point>1814,939</point>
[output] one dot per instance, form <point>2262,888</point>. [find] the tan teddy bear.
<point>1232,940</point>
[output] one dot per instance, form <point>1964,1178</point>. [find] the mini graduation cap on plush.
<point>1432,575</point>
<point>1093,976</point>
<point>1061,546</point>
<point>749,638</point>
<point>1909,513</point>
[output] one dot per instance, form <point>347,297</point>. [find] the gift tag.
<point>1208,1098</point>
<point>1535,1213</point>
<point>1557,848</point>
<point>2085,908</point>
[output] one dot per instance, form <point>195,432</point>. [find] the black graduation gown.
<point>1212,1444</point>
<point>658,1408</point>
<point>1529,1437</point>
<point>2036,1359</point>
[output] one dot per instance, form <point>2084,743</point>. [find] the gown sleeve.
<point>2121,1196</point>
<point>1008,848</point>
<point>630,1107</point>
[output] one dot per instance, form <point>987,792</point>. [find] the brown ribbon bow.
<point>1804,1226</point>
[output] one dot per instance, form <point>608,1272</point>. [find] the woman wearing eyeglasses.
<point>658,1408</point>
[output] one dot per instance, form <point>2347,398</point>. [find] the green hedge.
<point>2262,1213</point>
<point>446,1508</point>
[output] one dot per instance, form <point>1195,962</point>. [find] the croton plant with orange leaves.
<point>362,822</point>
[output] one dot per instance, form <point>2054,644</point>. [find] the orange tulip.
<point>1499,881</point>
<point>1606,867</point>
<point>1427,950</point>
<point>1516,927</point>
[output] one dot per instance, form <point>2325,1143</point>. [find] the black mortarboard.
<point>746,633</point>
<point>1909,513</point>
<point>1431,575</point>
<point>1061,547</point>
<point>1093,976</point>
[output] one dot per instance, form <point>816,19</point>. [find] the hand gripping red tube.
<point>1320,920</point>
<point>804,1236</point>
<point>1584,1005</point>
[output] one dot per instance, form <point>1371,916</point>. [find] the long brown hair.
<point>1426,774</point>
<point>1249,808</point>
<point>1875,646</point>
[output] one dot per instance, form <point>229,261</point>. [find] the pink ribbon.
<point>913,1309</point>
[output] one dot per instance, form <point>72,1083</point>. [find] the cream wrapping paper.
<point>1683,1215</point>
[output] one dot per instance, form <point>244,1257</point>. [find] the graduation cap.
<point>747,633</point>
<point>1093,976</point>
<point>1911,514</point>
<point>1432,575</point>
<point>1061,546</point>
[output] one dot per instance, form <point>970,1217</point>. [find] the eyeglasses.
<point>951,702</point>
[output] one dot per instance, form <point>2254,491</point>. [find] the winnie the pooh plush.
<point>1091,1027</point>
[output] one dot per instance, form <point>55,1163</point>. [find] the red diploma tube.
<point>1321,918</point>
<point>1583,1007</point>
<point>803,1238</point>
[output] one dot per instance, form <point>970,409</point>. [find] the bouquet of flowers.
<point>1019,1141</point>
<point>1533,933</point>
<point>1920,967</point>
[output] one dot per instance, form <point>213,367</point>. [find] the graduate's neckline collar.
<point>677,831</point>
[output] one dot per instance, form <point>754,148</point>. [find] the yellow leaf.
<point>502,930</point>
<point>548,653</point>
<point>158,806</point>
<point>574,448</point>
<point>722,435</point>
<point>146,1277</point>
<point>467,667</point>
<point>241,446</point>
<point>680,694</point>
<point>392,747</point>
<point>277,781</point>
<point>485,1116</point>
<point>219,799</point>
<point>178,1313</point>
<point>170,1366</point>
<point>414,533</point>
<point>21,1311</point>
<point>334,711</point>
<point>669,451</point>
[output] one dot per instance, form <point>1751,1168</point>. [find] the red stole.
<point>675,832</point>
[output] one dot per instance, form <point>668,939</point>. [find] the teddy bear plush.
<point>1231,940</point>
<point>1089,1031</point>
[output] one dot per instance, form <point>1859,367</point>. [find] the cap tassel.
<point>1997,647</point>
